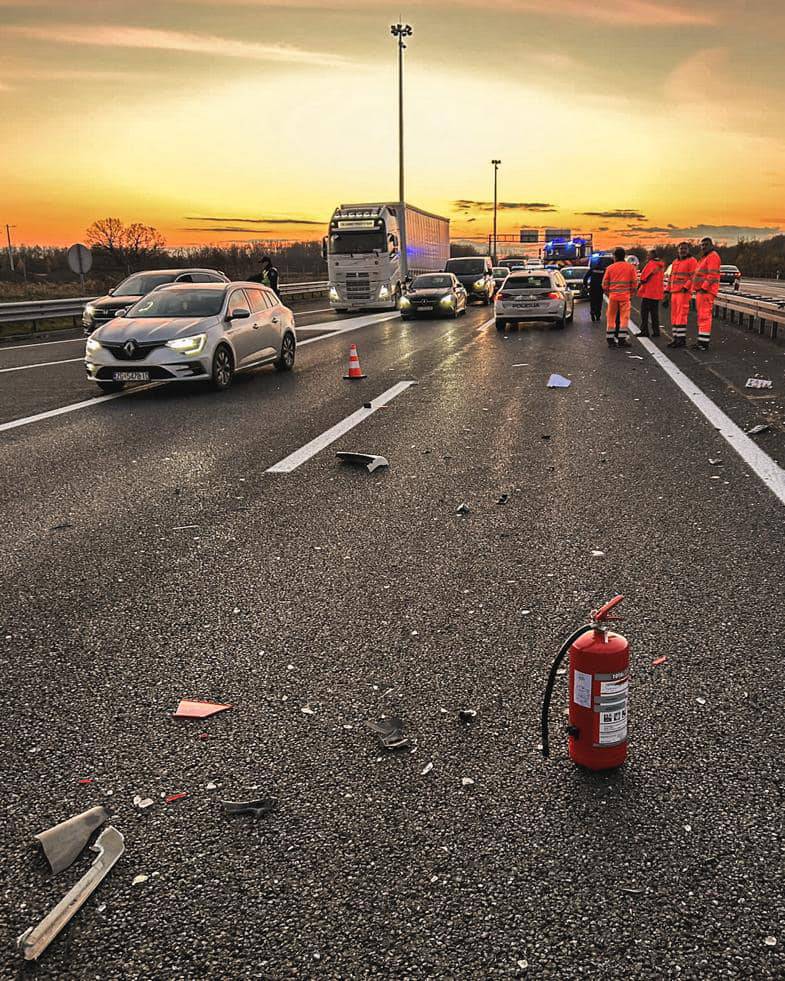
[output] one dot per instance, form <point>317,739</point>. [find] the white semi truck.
<point>371,248</point>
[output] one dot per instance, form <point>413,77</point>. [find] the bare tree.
<point>141,241</point>
<point>107,234</point>
<point>125,244</point>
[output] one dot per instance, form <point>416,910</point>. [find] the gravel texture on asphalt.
<point>360,596</point>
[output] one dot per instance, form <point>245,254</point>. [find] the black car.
<point>575,276</point>
<point>437,293</point>
<point>99,312</point>
<point>475,274</point>
<point>730,276</point>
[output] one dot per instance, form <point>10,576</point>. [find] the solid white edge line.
<point>20,347</point>
<point>40,364</point>
<point>296,459</point>
<point>354,323</point>
<point>769,471</point>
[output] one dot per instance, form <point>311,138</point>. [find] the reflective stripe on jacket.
<point>620,279</point>
<point>707,274</point>
<point>682,272</point>
<point>652,280</point>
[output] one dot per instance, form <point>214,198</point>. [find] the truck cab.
<point>363,256</point>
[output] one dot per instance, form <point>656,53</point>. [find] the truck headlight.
<point>334,293</point>
<point>188,345</point>
<point>92,346</point>
<point>384,292</point>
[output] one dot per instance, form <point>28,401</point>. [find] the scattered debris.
<point>262,805</point>
<point>368,460</point>
<point>700,701</point>
<point>631,891</point>
<point>688,828</point>
<point>635,357</point>
<point>390,733</point>
<point>367,405</point>
<point>188,709</point>
<point>467,782</point>
<point>185,527</point>
<point>715,461</point>
<point>545,436</point>
<point>463,509</point>
<point>770,941</point>
<point>62,526</point>
<point>62,844</point>
<point>86,780</point>
<point>175,797</point>
<point>523,964</point>
<point>426,769</point>
<point>143,802</point>
<point>658,661</point>
<point>307,710</point>
<point>503,498</point>
<point>521,364</point>
<point>467,715</point>
<point>559,381</point>
<point>758,383</point>
<point>212,785</point>
<point>760,428</point>
<point>139,879</point>
<point>597,554</point>
<point>109,846</point>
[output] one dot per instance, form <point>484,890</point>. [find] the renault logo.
<point>130,348</point>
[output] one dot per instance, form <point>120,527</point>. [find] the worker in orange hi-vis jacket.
<point>706,286</point>
<point>619,283</point>
<point>680,290</point>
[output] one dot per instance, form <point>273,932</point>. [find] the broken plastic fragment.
<point>701,701</point>
<point>758,383</point>
<point>467,715</point>
<point>467,781</point>
<point>62,844</point>
<point>760,428</point>
<point>426,769</point>
<point>307,710</point>
<point>62,526</point>
<point>139,879</point>
<point>715,462</point>
<point>175,797</point>
<point>142,803</point>
<point>559,381</point>
<point>369,460</point>
<point>503,498</point>
<point>86,780</point>
<point>770,941</point>
<point>597,554</point>
<point>658,661</point>
<point>188,709</point>
<point>390,733</point>
<point>263,805</point>
<point>33,942</point>
<point>463,508</point>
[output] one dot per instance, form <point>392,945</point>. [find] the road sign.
<point>552,233</point>
<point>80,259</point>
<point>530,235</point>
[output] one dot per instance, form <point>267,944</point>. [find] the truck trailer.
<point>370,250</point>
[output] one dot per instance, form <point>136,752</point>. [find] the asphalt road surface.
<point>149,556</point>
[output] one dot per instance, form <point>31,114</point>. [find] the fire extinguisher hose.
<point>546,700</point>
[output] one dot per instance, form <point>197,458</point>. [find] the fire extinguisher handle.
<point>603,614</point>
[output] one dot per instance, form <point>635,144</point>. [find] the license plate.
<point>131,376</point>
<point>425,306</point>
<point>526,306</point>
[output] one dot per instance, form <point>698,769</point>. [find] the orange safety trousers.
<point>705,305</point>
<point>680,312</point>
<point>620,303</point>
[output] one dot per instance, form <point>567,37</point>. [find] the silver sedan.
<point>190,332</point>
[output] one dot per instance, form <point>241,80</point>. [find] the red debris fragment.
<point>173,797</point>
<point>188,709</point>
<point>658,661</point>
<point>86,780</point>
<point>203,735</point>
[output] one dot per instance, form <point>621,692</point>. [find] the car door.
<point>265,323</point>
<point>240,331</point>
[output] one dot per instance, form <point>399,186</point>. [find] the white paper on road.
<point>582,689</point>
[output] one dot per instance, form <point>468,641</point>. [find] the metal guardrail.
<point>33,311</point>
<point>763,315</point>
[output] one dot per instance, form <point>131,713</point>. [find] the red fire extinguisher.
<point>599,683</point>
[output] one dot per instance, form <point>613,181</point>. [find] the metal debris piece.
<point>62,844</point>
<point>390,733</point>
<point>467,715</point>
<point>34,941</point>
<point>758,383</point>
<point>262,805</point>
<point>463,508</point>
<point>188,709</point>
<point>559,381</point>
<point>760,428</point>
<point>369,460</point>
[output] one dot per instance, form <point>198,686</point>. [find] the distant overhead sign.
<point>80,259</point>
<point>552,233</point>
<point>530,235</point>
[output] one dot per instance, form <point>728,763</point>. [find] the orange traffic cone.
<point>355,371</point>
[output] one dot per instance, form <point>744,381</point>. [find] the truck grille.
<point>358,286</point>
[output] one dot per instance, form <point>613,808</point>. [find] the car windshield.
<point>179,303</point>
<point>499,271</point>
<point>432,283</point>
<point>575,273</point>
<point>345,243</point>
<point>528,283</point>
<point>733,269</point>
<point>142,283</point>
<point>466,267</point>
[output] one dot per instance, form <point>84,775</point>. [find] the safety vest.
<point>682,272</point>
<point>620,279</point>
<point>707,274</point>
<point>652,278</point>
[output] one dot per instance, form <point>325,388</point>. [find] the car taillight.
<point>502,296</point>
<point>554,296</point>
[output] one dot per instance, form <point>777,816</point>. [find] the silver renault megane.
<point>193,331</point>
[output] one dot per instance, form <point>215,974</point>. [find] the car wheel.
<point>500,324</point>
<point>223,368</point>
<point>455,311</point>
<point>561,324</point>
<point>108,387</point>
<point>341,309</point>
<point>288,347</point>
<point>572,314</point>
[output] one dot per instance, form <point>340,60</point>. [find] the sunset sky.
<point>217,120</point>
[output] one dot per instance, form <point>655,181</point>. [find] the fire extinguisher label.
<point>582,689</point>
<point>612,709</point>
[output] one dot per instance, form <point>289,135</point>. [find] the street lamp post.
<point>401,31</point>
<point>495,203</point>
<point>10,247</point>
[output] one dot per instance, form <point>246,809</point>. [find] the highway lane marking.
<point>296,459</point>
<point>350,324</point>
<point>20,347</point>
<point>769,471</point>
<point>40,364</point>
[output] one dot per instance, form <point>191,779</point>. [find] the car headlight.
<point>384,292</point>
<point>89,310</point>
<point>405,302</point>
<point>447,301</point>
<point>480,284</point>
<point>188,345</point>
<point>334,293</point>
<point>92,346</point>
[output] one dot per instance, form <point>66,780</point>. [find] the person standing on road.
<point>651,291</point>
<point>706,285</point>
<point>593,279</point>
<point>680,290</point>
<point>267,276</point>
<point>619,282</point>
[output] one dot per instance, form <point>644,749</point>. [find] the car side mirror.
<point>110,292</point>
<point>239,315</point>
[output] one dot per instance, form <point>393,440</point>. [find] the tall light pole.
<point>10,247</point>
<point>495,202</point>
<point>401,31</point>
